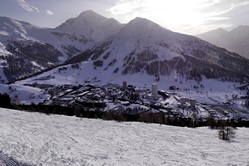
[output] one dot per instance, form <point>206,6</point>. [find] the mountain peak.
<point>235,40</point>
<point>220,29</point>
<point>241,28</point>
<point>141,27</point>
<point>142,21</point>
<point>141,24</point>
<point>89,14</point>
<point>215,32</point>
<point>91,25</point>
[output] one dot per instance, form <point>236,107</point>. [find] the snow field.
<point>35,138</point>
<point>24,94</point>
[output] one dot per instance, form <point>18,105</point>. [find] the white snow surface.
<point>41,139</point>
<point>24,94</point>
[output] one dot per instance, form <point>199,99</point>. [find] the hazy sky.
<point>186,16</point>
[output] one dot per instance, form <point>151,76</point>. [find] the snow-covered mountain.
<point>18,41</point>
<point>14,30</point>
<point>142,52</point>
<point>91,25</point>
<point>27,49</point>
<point>236,40</point>
<point>142,46</point>
<point>34,49</point>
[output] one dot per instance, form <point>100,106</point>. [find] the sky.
<point>184,16</point>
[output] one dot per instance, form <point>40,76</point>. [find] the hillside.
<point>26,49</point>
<point>235,40</point>
<point>41,48</point>
<point>34,138</point>
<point>142,46</point>
<point>12,30</point>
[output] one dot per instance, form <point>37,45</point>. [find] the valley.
<point>95,91</point>
<point>85,60</point>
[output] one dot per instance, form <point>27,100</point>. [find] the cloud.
<point>26,6</point>
<point>229,12</point>
<point>49,12</point>
<point>234,17</point>
<point>170,14</point>
<point>126,6</point>
<point>239,15</point>
<point>220,7</point>
<point>190,16</point>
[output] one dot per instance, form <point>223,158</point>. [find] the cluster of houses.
<point>129,99</point>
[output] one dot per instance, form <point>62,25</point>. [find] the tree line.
<point>146,117</point>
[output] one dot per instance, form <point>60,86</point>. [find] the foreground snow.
<point>40,139</point>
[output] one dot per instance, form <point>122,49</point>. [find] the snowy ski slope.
<point>41,139</point>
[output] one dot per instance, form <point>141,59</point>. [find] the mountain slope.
<point>34,49</point>
<point>142,46</point>
<point>236,40</point>
<point>14,30</point>
<point>25,52</point>
<point>215,36</point>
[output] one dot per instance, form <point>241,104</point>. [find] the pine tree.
<point>5,101</point>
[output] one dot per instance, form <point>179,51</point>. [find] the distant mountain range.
<point>236,40</point>
<point>99,48</point>
<point>142,46</point>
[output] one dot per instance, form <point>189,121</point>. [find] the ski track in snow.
<point>41,139</point>
<point>8,161</point>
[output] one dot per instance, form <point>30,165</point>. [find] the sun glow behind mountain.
<point>189,17</point>
<point>192,16</point>
<point>174,13</point>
